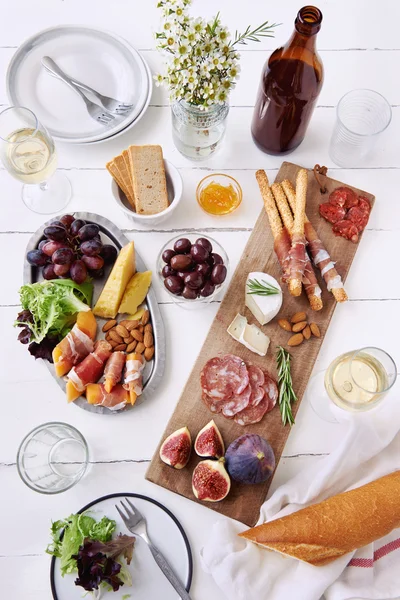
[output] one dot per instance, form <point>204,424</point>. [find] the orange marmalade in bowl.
<point>219,194</point>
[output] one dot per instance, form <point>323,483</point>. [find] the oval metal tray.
<point>154,369</point>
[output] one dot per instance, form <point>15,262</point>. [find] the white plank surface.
<point>358,50</point>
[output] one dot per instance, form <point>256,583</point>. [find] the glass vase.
<point>198,133</point>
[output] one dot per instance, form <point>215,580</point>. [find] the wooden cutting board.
<point>244,501</point>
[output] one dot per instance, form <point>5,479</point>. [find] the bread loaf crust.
<point>323,532</point>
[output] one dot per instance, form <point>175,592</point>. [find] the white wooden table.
<point>359,49</point>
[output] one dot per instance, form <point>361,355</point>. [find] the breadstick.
<point>297,255</point>
<point>318,252</point>
<point>309,280</point>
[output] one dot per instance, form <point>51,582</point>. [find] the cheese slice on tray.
<point>264,308</point>
<point>249,335</point>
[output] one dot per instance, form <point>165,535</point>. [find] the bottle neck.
<point>306,26</point>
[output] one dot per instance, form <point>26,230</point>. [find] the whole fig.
<point>250,459</point>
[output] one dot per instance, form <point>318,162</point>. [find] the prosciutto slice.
<point>322,260</point>
<point>113,370</point>
<point>91,368</point>
<point>114,400</point>
<point>282,246</point>
<point>133,381</point>
<point>297,257</point>
<point>75,346</point>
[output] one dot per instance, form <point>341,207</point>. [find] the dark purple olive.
<point>48,272</point>
<point>218,274</point>
<point>55,232</point>
<point>189,293</point>
<point>174,284</point>
<point>194,280</point>
<point>198,253</point>
<point>41,244</point>
<point>63,256</point>
<point>167,255</point>
<point>168,270</point>
<point>61,270</point>
<point>181,262</point>
<point>67,220</point>
<point>76,226</point>
<point>109,253</point>
<point>97,274</point>
<point>87,232</point>
<point>91,247</point>
<point>182,246</point>
<point>78,271</point>
<point>217,259</point>
<point>93,262</point>
<point>207,289</point>
<point>37,258</point>
<point>181,274</point>
<point>205,243</point>
<point>204,269</point>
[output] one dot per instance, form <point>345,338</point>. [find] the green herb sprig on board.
<point>263,288</point>
<point>286,392</point>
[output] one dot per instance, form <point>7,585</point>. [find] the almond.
<point>109,325</point>
<point>299,326</point>
<point>107,337</point>
<point>145,317</point>
<point>299,316</point>
<point>128,340</point>
<point>149,353</point>
<point>120,347</point>
<point>115,336</point>
<point>140,348</point>
<point>137,335</point>
<point>122,331</point>
<point>141,328</point>
<point>148,339</point>
<point>315,330</point>
<point>307,332</point>
<point>148,327</point>
<point>284,323</point>
<point>130,347</point>
<point>125,323</point>
<point>129,325</point>
<point>113,344</point>
<point>296,339</point>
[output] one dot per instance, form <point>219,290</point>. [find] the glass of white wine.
<point>356,381</point>
<point>28,153</point>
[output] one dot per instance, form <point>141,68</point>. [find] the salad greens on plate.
<point>86,547</point>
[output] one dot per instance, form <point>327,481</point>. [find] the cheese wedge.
<point>136,292</point>
<point>123,270</point>
<point>249,335</point>
<point>264,308</point>
<point>138,314</point>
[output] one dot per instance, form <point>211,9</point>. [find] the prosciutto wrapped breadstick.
<point>309,280</point>
<point>297,254</point>
<point>133,382</point>
<point>113,370</point>
<point>318,252</point>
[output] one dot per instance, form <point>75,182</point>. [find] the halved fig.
<point>210,481</point>
<point>209,441</point>
<point>175,449</point>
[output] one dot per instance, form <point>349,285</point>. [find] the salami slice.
<point>253,414</point>
<point>343,197</point>
<point>224,377</point>
<point>359,217</point>
<point>256,377</point>
<point>212,404</point>
<point>346,229</point>
<point>237,403</point>
<point>331,212</point>
<point>271,390</point>
<point>364,204</point>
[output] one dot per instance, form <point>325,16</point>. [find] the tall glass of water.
<point>361,116</point>
<point>28,153</point>
<point>52,458</point>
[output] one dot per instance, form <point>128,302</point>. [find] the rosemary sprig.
<point>261,288</point>
<point>286,392</point>
<point>261,31</point>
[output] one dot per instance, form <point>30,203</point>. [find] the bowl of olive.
<point>192,269</point>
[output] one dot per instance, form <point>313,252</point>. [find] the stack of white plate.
<point>101,60</point>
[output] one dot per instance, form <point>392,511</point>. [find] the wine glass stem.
<point>44,186</point>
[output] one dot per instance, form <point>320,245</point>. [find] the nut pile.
<point>300,327</point>
<point>131,335</point>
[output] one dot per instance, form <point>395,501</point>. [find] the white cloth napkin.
<point>243,571</point>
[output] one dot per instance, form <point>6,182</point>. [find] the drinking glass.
<point>356,381</point>
<point>28,153</point>
<point>361,115</point>
<point>52,458</point>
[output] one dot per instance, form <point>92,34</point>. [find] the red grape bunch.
<point>72,248</point>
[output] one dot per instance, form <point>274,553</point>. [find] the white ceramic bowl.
<point>174,189</point>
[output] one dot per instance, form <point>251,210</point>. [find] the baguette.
<point>323,532</point>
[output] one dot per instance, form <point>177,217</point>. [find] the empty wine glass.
<point>28,153</point>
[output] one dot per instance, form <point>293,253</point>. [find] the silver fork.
<point>110,104</point>
<point>95,111</point>
<point>137,525</point>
